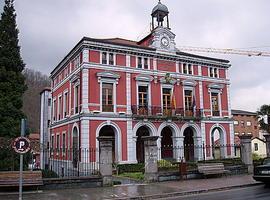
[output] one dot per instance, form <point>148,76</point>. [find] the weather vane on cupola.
<point>160,12</point>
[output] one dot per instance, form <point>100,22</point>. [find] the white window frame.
<point>165,86</point>
<point>107,57</point>
<point>65,103</point>
<point>213,70</point>
<point>74,98</point>
<point>219,103</point>
<point>143,57</point>
<point>109,81</point>
<point>58,107</point>
<point>148,85</point>
<point>54,115</point>
<point>182,68</point>
<point>64,148</point>
<point>248,123</point>
<point>57,144</point>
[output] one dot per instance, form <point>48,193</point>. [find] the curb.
<point>184,193</point>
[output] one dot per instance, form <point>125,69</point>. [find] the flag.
<point>193,104</point>
<point>173,99</point>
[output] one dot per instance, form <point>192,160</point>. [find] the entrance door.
<point>166,143</point>
<point>109,131</point>
<point>188,144</point>
<point>140,154</point>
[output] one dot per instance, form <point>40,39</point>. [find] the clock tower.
<point>163,38</point>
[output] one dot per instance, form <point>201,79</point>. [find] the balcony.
<point>158,112</point>
<point>215,113</point>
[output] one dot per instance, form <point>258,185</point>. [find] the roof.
<point>45,89</point>
<point>243,112</point>
<point>258,139</point>
<point>132,44</point>
<point>160,7</point>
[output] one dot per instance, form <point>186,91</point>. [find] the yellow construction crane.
<point>225,51</point>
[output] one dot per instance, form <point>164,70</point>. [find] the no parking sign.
<point>21,145</point>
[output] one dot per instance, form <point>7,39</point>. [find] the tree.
<point>12,82</point>
<point>261,113</point>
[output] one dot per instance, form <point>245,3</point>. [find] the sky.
<point>50,29</point>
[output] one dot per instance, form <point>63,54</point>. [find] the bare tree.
<point>36,82</point>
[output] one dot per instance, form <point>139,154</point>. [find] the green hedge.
<point>49,174</point>
<point>226,162</point>
<point>126,168</point>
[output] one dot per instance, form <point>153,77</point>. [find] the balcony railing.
<point>157,111</point>
<point>216,113</point>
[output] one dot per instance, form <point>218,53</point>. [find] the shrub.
<point>122,168</point>
<point>134,175</point>
<point>46,173</point>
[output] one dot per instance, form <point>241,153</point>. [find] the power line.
<point>225,51</point>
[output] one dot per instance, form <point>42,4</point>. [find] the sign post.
<point>21,145</point>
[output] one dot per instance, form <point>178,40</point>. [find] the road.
<point>247,193</point>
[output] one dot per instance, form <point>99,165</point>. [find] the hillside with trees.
<point>36,82</point>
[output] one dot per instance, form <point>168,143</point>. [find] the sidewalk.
<point>147,191</point>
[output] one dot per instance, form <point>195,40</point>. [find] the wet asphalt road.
<point>259,192</point>
<point>248,193</point>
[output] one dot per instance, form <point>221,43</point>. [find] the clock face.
<point>165,42</point>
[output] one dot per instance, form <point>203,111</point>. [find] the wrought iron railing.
<point>164,112</point>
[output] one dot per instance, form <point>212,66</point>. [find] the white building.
<point>45,120</point>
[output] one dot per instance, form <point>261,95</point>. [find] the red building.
<point>129,89</point>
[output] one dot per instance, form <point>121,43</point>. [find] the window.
<point>64,142</point>
<point>58,143</point>
<point>59,107</point>
<point>166,99</point>
<point>248,123</point>
<point>65,104</point>
<point>107,97</point>
<point>235,122</point>
<point>236,133</point>
<point>143,96</point>
<point>52,142</point>
<point>111,59</point>
<point>77,62</point>
<point>54,110</point>
<point>49,101</point>
<point>242,123</point>
<point>145,63</point>
<point>187,68</point>
<point>256,147</point>
<point>188,100</point>
<point>213,72</point>
<point>104,58</point>
<point>76,99</point>
<point>215,105</point>
<point>139,62</point>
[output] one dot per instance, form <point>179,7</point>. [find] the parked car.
<point>262,172</point>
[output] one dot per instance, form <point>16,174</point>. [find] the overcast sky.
<point>50,28</point>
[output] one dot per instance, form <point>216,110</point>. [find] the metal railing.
<point>72,162</point>
<point>158,111</point>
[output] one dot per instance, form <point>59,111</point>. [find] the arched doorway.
<point>109,131</point>
<point>218,143</point>
<point>75,147</point>
<point>166,143</point>
<point>188,144</point>
<point>142,131</point>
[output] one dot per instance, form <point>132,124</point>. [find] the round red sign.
<point>21,145</point>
